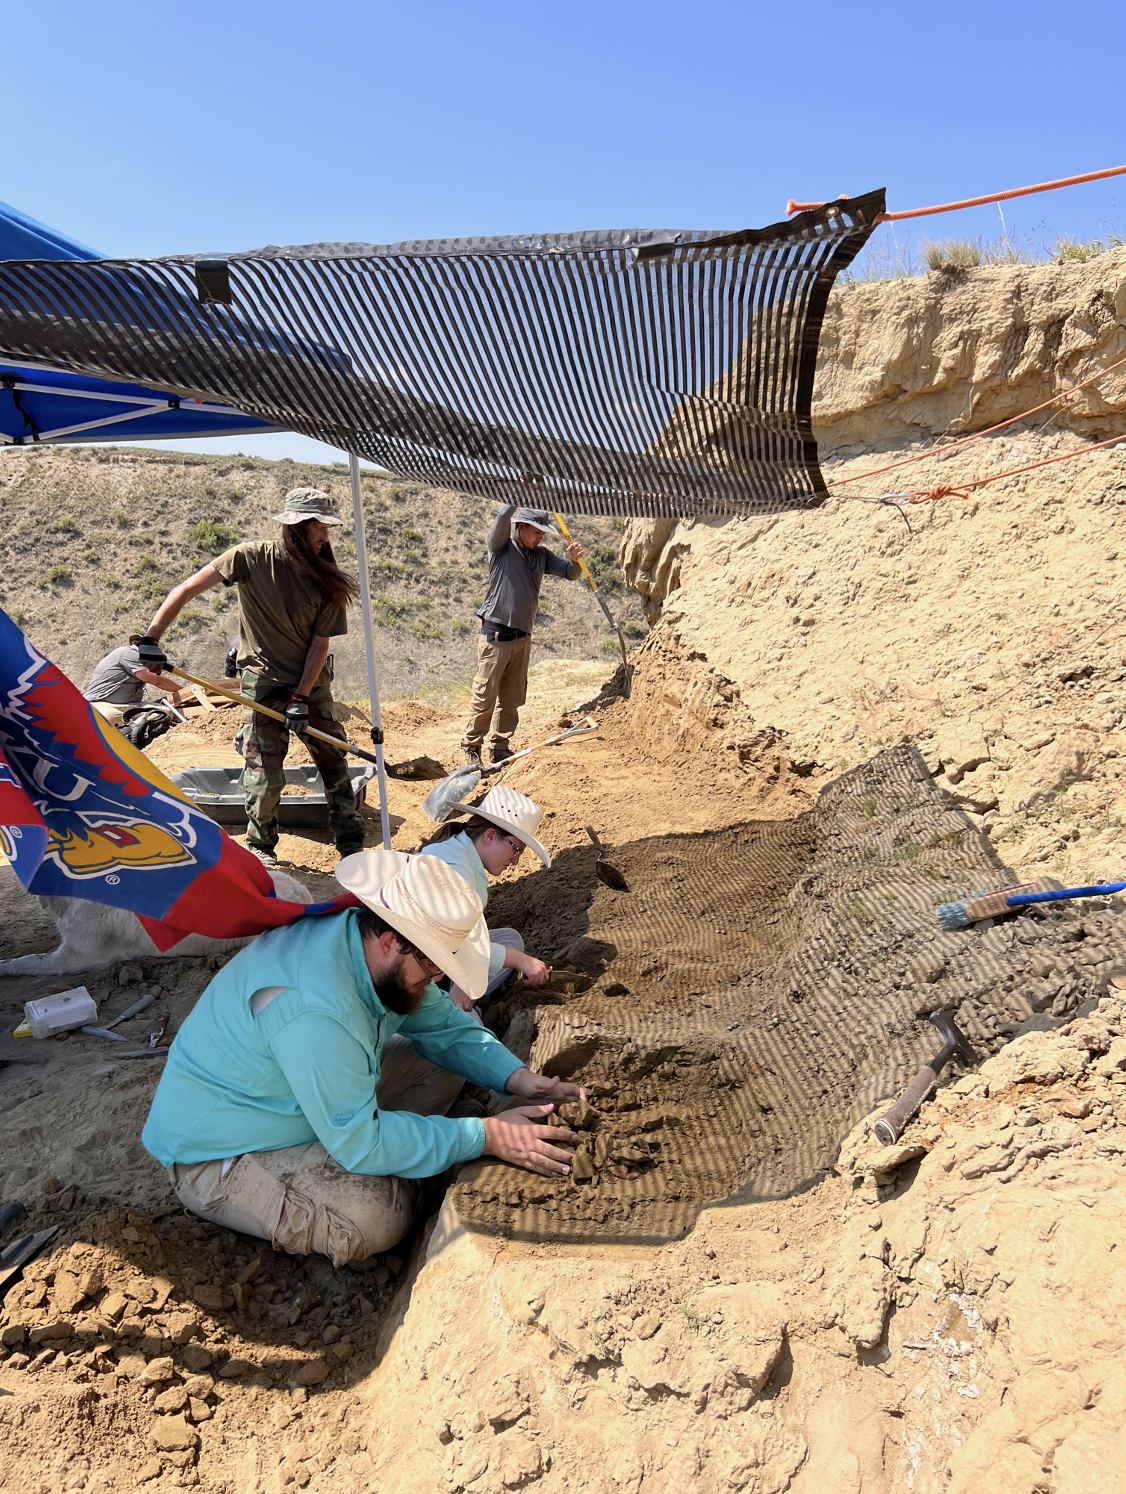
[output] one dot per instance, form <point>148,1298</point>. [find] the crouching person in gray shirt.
<point>518,563</point>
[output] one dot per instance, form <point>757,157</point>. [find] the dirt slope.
<point>990,633</point>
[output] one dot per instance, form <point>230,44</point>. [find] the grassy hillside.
<point>93,538</point>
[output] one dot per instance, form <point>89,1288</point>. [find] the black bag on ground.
<point>143,724</point>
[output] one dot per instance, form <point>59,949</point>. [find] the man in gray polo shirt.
<point>517,565</point>
<point>119,681</point>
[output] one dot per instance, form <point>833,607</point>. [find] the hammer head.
<point>954,1041</point>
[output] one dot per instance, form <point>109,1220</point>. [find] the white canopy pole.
<point>369,646</point>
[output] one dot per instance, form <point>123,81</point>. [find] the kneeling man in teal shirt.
<point>309,1085</point>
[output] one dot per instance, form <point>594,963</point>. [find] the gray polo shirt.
<point>516,575</point>
<point>113,680</point>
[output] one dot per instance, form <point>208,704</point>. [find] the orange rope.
<point>933,455</point>
<point>950,207</point>
<point>932,495</point>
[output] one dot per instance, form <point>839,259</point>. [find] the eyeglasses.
<point>518,846</point>
<point>426,964</point>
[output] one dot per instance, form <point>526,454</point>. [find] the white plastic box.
<point>62,1012</point>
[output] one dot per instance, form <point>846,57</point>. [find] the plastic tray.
<point>218,792</point>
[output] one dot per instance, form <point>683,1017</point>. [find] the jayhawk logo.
<point>100,849</point>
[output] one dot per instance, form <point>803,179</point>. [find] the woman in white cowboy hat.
<point>494,837</point>
<point>309,1085</point>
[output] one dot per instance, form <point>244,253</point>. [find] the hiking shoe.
<point>473,758</point>
<point>500,751</point>
<point>267,858</point>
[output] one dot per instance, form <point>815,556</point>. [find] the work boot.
<point>267,858</point>
<point>349,847</point>
<point>473,758</point>
<point>500,750</point>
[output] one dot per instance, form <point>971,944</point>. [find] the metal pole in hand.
<point>369,646</point>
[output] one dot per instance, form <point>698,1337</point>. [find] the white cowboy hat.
<point>428,903</point>
<point>512,812</point>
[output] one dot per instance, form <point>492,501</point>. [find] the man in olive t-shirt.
<point>279,611</point>
<point>286,620</point>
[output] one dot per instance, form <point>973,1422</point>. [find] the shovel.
<point>308,731</point>
<point>455,787</point>
<point>594,588</point>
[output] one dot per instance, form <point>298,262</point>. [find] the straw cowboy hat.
<point>307,503</point>
<point>428,903</point>
<point>511,812</point>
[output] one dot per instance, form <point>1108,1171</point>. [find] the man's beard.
<point>403,1000</point>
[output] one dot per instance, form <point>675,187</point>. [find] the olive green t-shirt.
<point>279,611</point>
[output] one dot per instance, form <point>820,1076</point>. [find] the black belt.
<point>495,633</point>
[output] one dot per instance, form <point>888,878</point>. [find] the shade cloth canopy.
<point>644,372</point>
<point>38,404</point>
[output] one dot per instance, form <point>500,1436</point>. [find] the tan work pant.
<point>501,684</point>
<point>114,714</point>
<point>300,1200</point>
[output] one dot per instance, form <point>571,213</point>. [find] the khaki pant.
<point>300,1200</point>
<point>501,683</point>
<point>114,714</point>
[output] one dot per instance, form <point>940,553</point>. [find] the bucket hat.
<point>511,812</point>
<point>428,903</point>
<point>538,518</point>
<point>307,503</point>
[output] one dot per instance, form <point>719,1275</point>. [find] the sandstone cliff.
<point>988,631</point>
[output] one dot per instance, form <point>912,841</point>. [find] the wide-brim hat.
<point>538,518</point>
<point>307,503</point>
<point>511,812</point>
<point>430,904</point>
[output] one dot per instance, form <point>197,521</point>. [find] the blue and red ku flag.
<point>84,814</point>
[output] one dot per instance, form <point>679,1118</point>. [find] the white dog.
<point>94,934</point>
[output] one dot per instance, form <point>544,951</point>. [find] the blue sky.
<point>151,130</point>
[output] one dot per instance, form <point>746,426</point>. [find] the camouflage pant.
<point>264,743</point>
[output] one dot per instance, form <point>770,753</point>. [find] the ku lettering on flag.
<point>84,814</point>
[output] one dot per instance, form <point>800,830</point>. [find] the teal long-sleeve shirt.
<point>306,1067</point>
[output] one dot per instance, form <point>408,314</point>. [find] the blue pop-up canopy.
<point>39,405</point>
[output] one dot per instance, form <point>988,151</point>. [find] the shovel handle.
<point>253,705</point>
<point>582,560</point>
<point>588,724</point>
<point>594,588</point>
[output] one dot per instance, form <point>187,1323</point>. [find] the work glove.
<point>152,655</point>
<point>297,712</point>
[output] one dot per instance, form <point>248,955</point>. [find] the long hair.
<point>474,827</point>
<point>319,565</point>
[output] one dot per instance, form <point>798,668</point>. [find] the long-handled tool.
<point>994,904</point>
<point>306,731</point>
<point>594,588</point>
<point>891,1126</point>
<point>462,781</point>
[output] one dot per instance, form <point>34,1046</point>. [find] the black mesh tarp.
<point>632,372</point>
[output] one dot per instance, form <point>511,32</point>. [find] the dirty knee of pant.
<point>343,1215</point>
